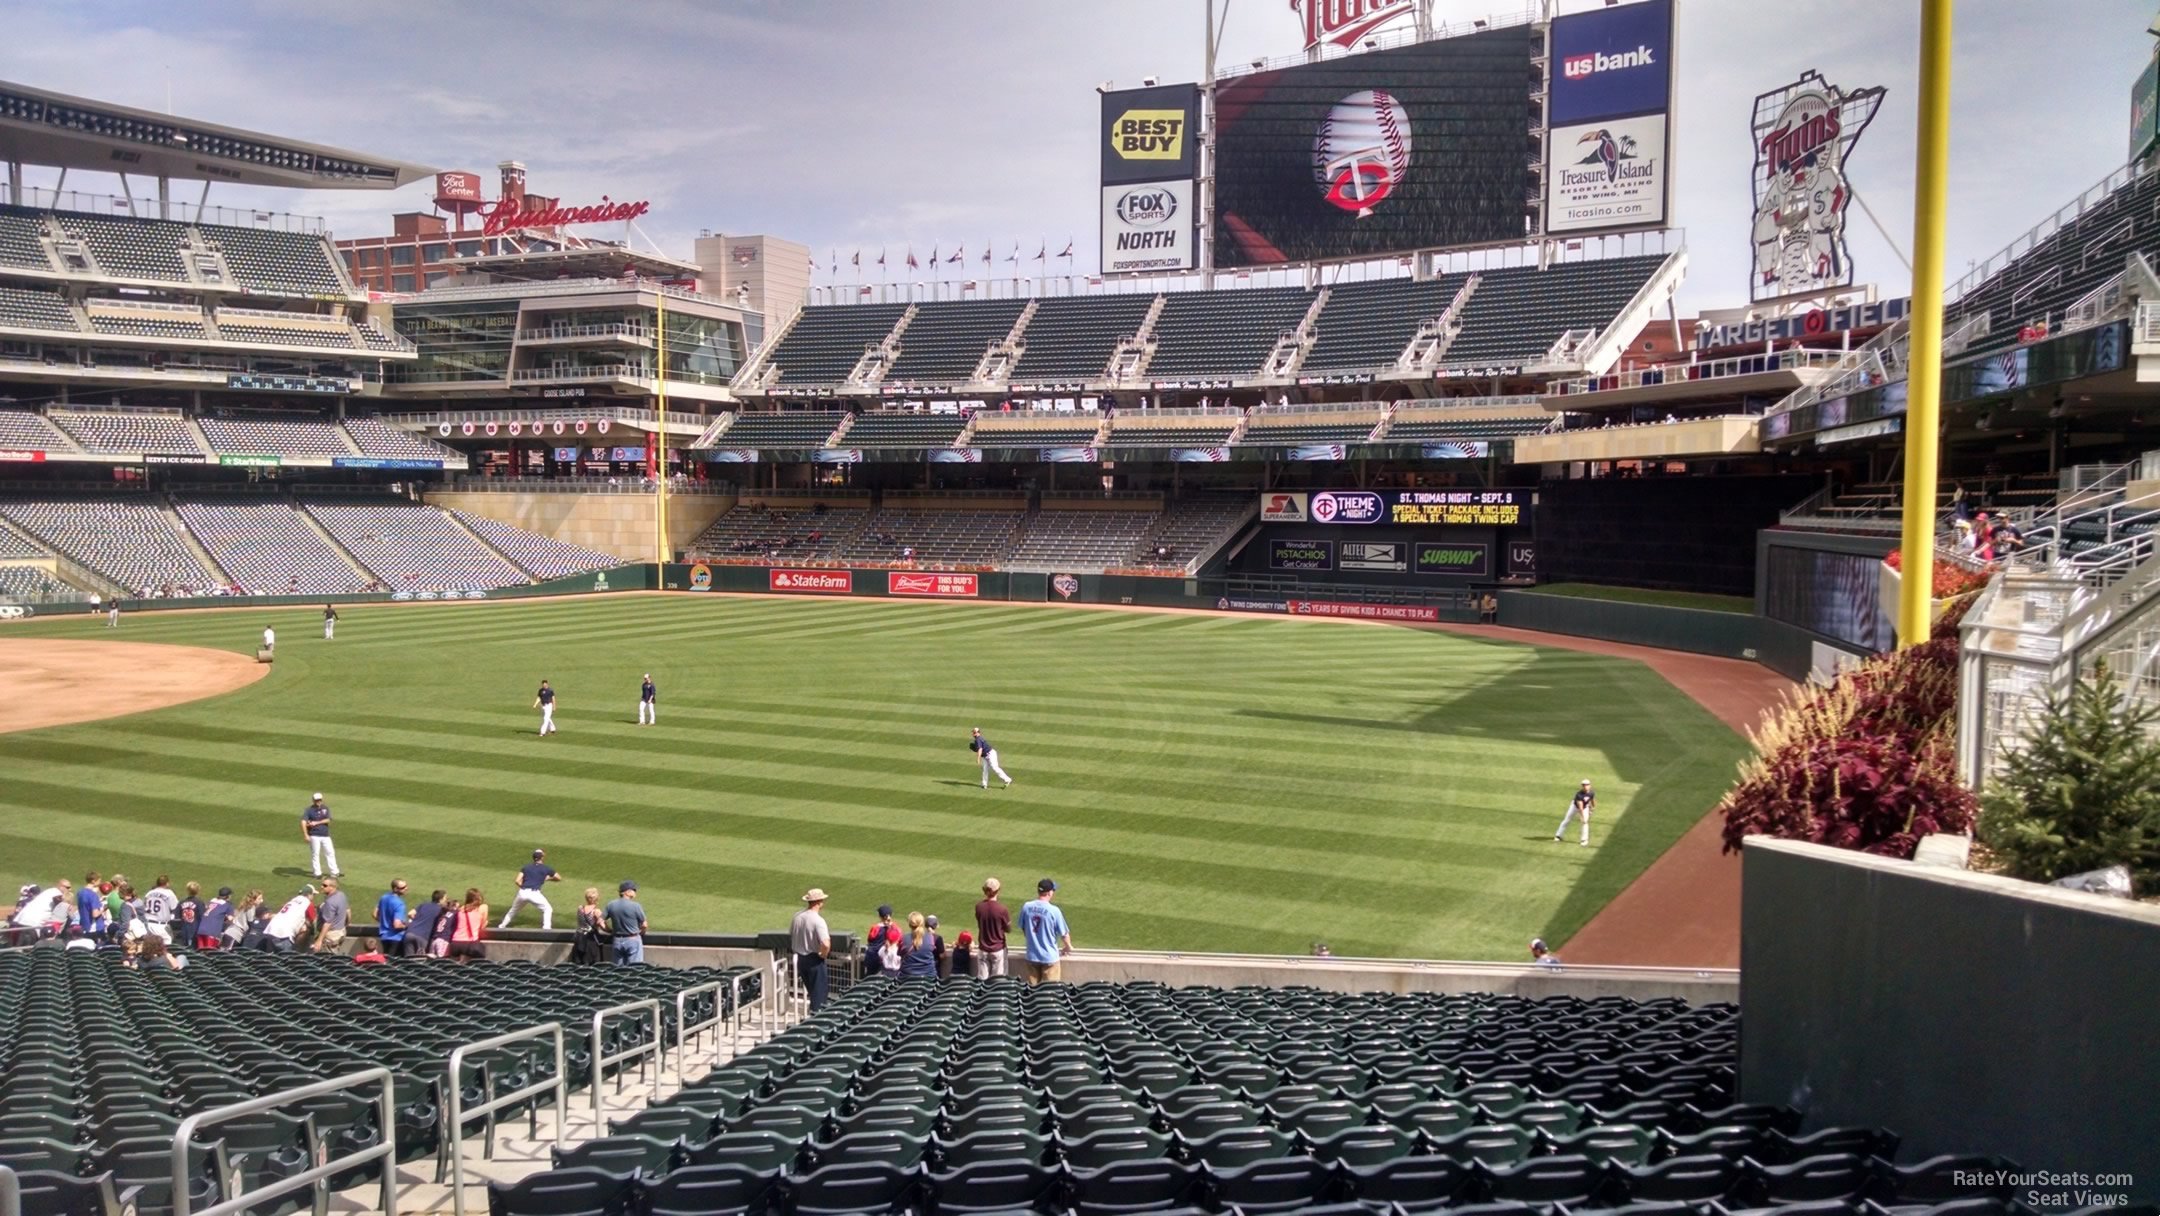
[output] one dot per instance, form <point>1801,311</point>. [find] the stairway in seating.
<point>338,547</point>
<point>179,526</point>
<point>486,544</point>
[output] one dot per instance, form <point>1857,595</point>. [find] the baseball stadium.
<point>1359,705</point>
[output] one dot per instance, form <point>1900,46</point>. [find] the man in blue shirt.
<point>625,920</point>
<point>529,881</point>
<point>315,829</point>
<point>1042,924</point>
<point>391,918</point>
<point>648,706</point>
<point>90,907</point>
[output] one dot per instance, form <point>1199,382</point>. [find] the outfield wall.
<point>1970,1012</point>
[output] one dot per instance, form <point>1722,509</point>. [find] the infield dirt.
<point>55,681</point>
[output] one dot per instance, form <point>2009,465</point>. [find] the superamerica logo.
<point>1348,507</point>
<point>1804,134</point>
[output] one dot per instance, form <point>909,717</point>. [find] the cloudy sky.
<point>856,124</point>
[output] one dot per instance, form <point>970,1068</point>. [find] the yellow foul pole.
<point>1923,409</point>
<point>660,502</point>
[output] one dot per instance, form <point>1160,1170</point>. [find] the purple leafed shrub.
<point>1865,762</point>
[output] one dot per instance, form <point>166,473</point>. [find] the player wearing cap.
<point>989,757</point>
<point>1042,926</point>
<point>648,709</point>
<point>1584,801</point>
<point>329,622</point>
<point>544,701</point>
<point>1541,954</point>
<point>315,829</point>
<point>535,875</point>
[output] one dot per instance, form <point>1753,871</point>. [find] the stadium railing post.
<point>656,1046</point>
<point>684,1031</point>
<point>455,1099</point>
<point>313,1179</point>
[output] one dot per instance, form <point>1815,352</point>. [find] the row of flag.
<point>939,259</point>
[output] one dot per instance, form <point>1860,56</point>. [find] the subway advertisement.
<point>1384,152</point>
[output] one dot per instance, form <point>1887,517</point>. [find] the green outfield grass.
<point>1194,782</point>
<point>1645,595</point>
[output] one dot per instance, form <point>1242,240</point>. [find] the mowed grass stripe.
<point>1194,781</point>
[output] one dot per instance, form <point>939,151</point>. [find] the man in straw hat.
<point>811,942</point>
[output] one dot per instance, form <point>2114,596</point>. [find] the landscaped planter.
<point>1951,581</point>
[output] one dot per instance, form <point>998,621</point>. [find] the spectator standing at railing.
<point>626,925</point>
<point>993,923</point>
<point>1049,940</point>
<point>810,939</point>
<point>392,919</point>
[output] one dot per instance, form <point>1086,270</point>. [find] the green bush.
<point>2083,793</point>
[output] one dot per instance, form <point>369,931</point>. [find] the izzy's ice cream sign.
<point>508,214</point>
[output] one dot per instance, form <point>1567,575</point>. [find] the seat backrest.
<point>582,1191</point>
<point>707,1190</point>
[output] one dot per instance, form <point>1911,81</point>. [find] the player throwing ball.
<point>989,757</point>
<point>545,703</point>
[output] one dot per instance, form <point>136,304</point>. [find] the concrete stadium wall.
<point>1200,970</point>
<point>617,524</point>
<point>1968,1012</point>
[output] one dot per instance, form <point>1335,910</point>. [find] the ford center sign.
<point>1348,507</point>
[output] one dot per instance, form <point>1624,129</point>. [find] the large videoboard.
<point>1485,508</point>
<point>1416,147</point>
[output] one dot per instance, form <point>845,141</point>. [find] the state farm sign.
<point>505,215</point>
<point>814,582</point>
<point>1343,22</point>
<point>903,583</point>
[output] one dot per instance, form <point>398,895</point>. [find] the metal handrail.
<point>684,1030</point>
<point>656,1046</point>
<point>455,1099</point>
<point>385,1150</point>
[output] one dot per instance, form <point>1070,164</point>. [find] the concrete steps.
<point>520,1146</point>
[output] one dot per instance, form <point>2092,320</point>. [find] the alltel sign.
<point>505,215</point>
<point>1343,22</point>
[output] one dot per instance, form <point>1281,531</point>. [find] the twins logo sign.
<point>1362,150</point>
<point>1348,507</point>
<point>1803,134</point>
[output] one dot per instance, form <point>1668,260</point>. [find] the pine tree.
<point>2084,791</point>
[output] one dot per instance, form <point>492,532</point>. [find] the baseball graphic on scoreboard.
<point>1362,151</point>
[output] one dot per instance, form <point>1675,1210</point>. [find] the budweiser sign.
<point>505,215</point>
<point>1343,22</point>
<point>962,585</point>
<point>816,582</point>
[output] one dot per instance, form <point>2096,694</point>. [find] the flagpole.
<point>660,502</point>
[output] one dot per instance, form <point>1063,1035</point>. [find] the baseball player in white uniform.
<point>1582,803</point>
<point>545,703</point>
<point>648,706</point>
<point>989,757</point>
